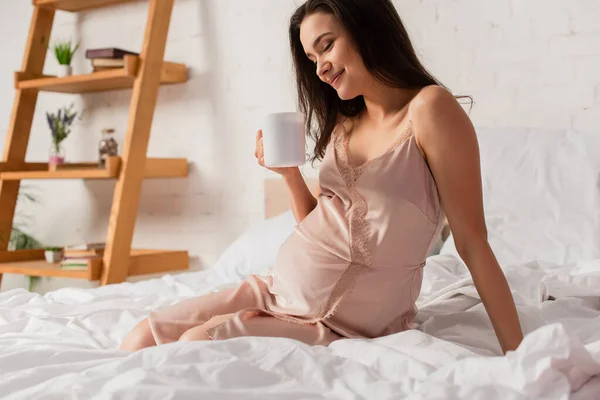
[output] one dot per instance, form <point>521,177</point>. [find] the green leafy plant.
<point>53,248</point>
<point>64,51</point>
<point>19,239</point>
<point>60,124</point>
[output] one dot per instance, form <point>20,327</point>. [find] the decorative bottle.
<point>108,146</point>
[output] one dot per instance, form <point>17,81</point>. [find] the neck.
<point>383,101</point>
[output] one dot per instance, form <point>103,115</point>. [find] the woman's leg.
<point>140,337</point>
<point>262,325</point>
<point>199,332</point>
<point>170,323</point>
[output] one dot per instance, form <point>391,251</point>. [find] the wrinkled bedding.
<point>64,344</point>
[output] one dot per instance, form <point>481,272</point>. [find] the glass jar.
<point>108,147</point>
<point>56,154</point>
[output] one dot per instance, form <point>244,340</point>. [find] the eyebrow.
<point>318,39</point>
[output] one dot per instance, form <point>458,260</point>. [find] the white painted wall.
<point>527,63</point>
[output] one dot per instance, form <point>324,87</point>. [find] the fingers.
<point>258,151</point>
<point>258,143</point>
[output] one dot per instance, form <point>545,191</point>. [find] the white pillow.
<point>254,251</point>
<point>541,195</point>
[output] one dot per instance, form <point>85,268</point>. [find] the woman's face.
<point>338,63</point>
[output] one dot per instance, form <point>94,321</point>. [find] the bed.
<point>542,209</point>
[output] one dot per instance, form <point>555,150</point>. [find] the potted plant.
<point>64,51</point>
<point>53,254</point>
<point>60,124</point>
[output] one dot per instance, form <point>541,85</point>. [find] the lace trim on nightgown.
<point>360,229</point>
<point>404,136</point>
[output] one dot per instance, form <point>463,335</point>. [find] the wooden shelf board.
<point>21,255</point>
<point>39,267</point>
<point>141,262</point>
<point>76,5</point>
<point>79,174</point>
<point>155,168</point>
<point>166,168</point>
<point>99,81</point>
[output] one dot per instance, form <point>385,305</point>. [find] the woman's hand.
<point>302,200</point>
<point>260,157</point>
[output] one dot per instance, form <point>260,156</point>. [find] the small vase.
<point>64,70</point>
<point>57,154</point>
<point>53,256</point>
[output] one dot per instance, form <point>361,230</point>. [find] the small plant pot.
<point>53,256</point>
<point>64,70</point>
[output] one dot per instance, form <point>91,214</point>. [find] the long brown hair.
<point>386,50</point>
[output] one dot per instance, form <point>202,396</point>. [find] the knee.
<point>197,333</point>
<point>140,337</point>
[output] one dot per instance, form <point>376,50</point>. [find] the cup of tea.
<point>284,139</point>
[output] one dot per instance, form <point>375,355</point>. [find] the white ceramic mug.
<point>284,140</point>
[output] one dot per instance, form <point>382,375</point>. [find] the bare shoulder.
<point>433,100</point>
<point>436,113</point>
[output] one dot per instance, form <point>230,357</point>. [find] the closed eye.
<point>327,47</point>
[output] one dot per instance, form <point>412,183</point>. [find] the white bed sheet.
<point>64,345</point>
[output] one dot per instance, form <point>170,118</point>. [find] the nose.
<point>323,67</point>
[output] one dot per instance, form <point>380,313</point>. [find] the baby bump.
<point>305,275</point>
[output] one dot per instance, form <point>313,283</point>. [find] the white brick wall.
<point>531,63</point>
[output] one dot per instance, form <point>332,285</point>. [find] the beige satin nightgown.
<point>352,268</point>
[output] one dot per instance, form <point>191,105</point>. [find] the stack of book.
<point>78,256</point>
<point>107,58</point>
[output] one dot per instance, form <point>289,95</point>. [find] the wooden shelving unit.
<point>143,74</point>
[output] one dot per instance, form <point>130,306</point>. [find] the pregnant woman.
<point>399,154</point>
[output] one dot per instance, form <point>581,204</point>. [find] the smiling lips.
<point>335,78</point>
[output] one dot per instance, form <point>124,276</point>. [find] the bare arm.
<point>448,139</point>
<point>301,199</point>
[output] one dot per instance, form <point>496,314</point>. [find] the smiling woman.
<point>398,154</point>
<point>351,46</point>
